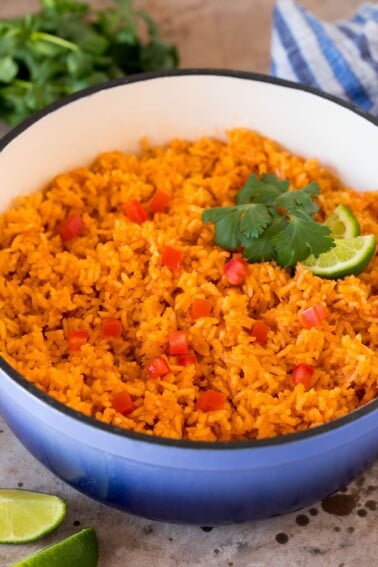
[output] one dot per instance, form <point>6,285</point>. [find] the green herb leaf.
<point>236,224</point>
<point>60,7</point>
<point>8,69</point>
<point>300,238</point>
<point>300,199</point>
<point>158,55</point>
<point>264,190</point>
<point>9,38</point>
<point>79,64</point>
<point>67,46</point>
<point>271,223</point>
<point>261,250</point>
<point>227,230</point>
<point>271,179</point>
<point>254,219</point>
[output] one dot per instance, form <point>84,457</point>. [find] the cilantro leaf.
<point>300,238</point>
<point>264,190</point>
<point>271,223</point>
<point>227,231</point>
<point>67,45</point>
<point>254,219</point>
<point>300,198</point>
<point>158,55</point>
<point>260,250</point>
<point>216,214</point>
<point>8,69</point>
<point>271,179</point>
<point>234,224</point>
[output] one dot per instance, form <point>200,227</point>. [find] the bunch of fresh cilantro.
<point>269,222</point>
<point>68,46</point>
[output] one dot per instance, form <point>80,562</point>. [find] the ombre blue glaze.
<point>178,481</point>
<point>187,483</point>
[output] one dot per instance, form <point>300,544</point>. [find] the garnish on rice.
<point>269,222</point>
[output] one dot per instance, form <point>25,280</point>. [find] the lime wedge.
<point>348,256</point>
<point>343,223</point>
<point>80,549</point>
<point>26,516</point>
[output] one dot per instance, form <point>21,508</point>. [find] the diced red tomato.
<point>158,367</point>
<point>111,327</point>
<point>302,374</point>
<point>123,403</point>
<point>260,331</point>
<point>186,359</point>
<point>159,201</point>
<point>76,339</point>
<point>172,258</point>
<point>236,270</point>
<point>134,211</point>
<point>178,343</point>
<point>211,400</point>
<point>70,228</point>
<point>201,308</point>
<point>314,315</point>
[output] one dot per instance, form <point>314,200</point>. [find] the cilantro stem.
<point>22,84</point>
<point>28,85</point>
<point>49,38</point>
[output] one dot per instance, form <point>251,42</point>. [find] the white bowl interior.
<point>188,106</point>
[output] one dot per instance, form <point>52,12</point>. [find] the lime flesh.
<point>349,256</point>
<point>343,223</point>
<point>26,516</point>
<point>78,550</point>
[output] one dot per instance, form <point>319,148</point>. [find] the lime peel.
<point>343,223</point>
<point>349,256</point>
<point>27,516</point>
<point>78,549</point>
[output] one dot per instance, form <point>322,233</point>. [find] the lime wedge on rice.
<point>26,516</point>
<point>80,549</point>
<point>348,256</point>
<point>343,223</point>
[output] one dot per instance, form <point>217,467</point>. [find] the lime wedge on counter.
<point>348,256</point>
<point>343,223</point>
<point>78,550</point>
<point>26,516</point>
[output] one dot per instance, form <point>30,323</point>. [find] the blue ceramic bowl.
<point>177,481</point>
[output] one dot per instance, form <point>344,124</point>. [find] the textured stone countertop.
<point>341,531</point>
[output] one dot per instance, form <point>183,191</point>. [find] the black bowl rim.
<point>131,435</point>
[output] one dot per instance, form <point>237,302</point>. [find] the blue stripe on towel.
<point>360,40</point>
<point>273,67</point>
<point>341,57</point>
<point>358,19</point>
<point>354,89</point>
<point>297,61</point>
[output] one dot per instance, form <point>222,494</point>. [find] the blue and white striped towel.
<point>340,58</point>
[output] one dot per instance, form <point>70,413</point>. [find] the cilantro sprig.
<point>67,46</point>
<point>269,222</point>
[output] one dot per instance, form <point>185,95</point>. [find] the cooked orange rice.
<point>113,269</point>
